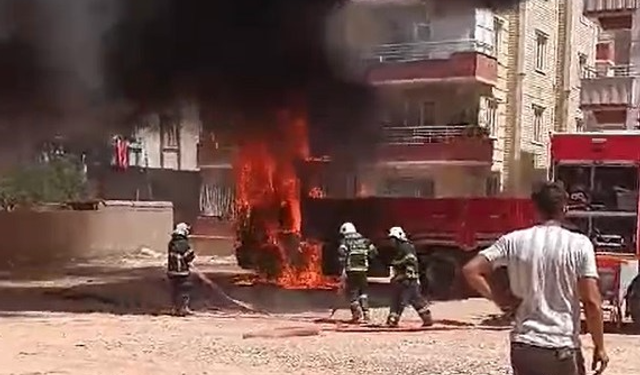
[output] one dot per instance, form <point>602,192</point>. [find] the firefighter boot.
<point>425,315</point>
<point>393,320</point>
<point>356,312</point>
<point>184,309</point>
<point>364,305</point>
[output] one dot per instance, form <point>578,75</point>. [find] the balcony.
<point>439,145</point>
<point>598,7</point>
<point>212,155</point>
<point>611,14</point>
<point>428,62</point>
<point>610,86</point>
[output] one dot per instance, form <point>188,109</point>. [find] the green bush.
<point>59,180</point>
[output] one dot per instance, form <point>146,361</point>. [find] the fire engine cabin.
<point>601,172</point>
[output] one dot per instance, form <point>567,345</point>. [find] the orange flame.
<point>266,178</point>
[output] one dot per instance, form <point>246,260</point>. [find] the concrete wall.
<point>114,229</point>
<point>182,188</point>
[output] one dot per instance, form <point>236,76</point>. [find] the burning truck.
<point>287,228</point>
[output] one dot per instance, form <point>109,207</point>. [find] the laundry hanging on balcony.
<point>120,159</point>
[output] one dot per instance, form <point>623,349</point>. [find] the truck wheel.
<point>442,273</point>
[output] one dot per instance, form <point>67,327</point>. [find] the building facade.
<point>550,43</point>
<point>157,162</point>
<point>469,95</point>
<point>611,94</point>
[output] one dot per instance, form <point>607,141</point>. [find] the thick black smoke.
<point>88,64</point>
<point>243,57</point>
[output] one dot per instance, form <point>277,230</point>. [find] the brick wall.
<point>539,86</point>
<point>544,87</point>
<point>500,92</point>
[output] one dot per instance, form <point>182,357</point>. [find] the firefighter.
<point>355,253</point>
<point>405,281</point>
<point>180,257</point>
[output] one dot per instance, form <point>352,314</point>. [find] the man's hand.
<point>600,361</point>
<point>505,300</point>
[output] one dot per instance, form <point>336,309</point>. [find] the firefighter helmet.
<point>347,228</point>
<point>398,233</point>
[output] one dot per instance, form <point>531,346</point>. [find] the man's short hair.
<point>550,198</point>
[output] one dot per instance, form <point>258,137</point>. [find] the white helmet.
<point>398,232</point>
<point>347,228</point>
<point>182,229</point>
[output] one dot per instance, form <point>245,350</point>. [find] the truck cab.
<point>601,172</point>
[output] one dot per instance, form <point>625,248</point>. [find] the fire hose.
<point>221,294</point>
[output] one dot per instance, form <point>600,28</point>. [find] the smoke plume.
<point>87,65</point>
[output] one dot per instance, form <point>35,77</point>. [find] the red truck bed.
<point>462,222</point>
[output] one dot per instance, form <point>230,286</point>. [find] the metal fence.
<point>609,71</point>
<point>418,51</point>
<point>407,135</point>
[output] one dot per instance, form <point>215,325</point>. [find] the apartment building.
<point>170,139</point>
<point>469,95</point>
<point>611,95</point>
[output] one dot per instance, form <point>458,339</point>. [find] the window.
<point>412,112</point>
<point>582,65</point>
<point>428,114</point>
<point>498,28</point>
<point>538,123</point>
<point>395,33</point>
<point>169,132</point>
<point>492,185</point>
<point>422,32</point>
<point>492,117</point>
<point>541,50</point>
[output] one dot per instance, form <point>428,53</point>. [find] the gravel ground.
<point>80,339</point>
<point>65,343</point>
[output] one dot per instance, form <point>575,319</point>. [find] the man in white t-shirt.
<point>551,270</point>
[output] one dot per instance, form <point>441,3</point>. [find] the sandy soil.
<point>95,321</point>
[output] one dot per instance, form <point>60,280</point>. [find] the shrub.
<point>58,180</point>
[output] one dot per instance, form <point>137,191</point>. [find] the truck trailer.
<point>446,232</point>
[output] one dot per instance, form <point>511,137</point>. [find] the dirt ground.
<point>106,318</point>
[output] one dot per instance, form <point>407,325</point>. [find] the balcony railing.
<point>419,51</point>
<point>595,6</point>
<point>418,135</point>
<point>609,72</point>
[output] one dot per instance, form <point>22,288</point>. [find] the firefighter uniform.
<point>355,252</point>
<point>180,257</point>
<point>405,282</point>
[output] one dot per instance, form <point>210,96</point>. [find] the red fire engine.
<point>601,172</point>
